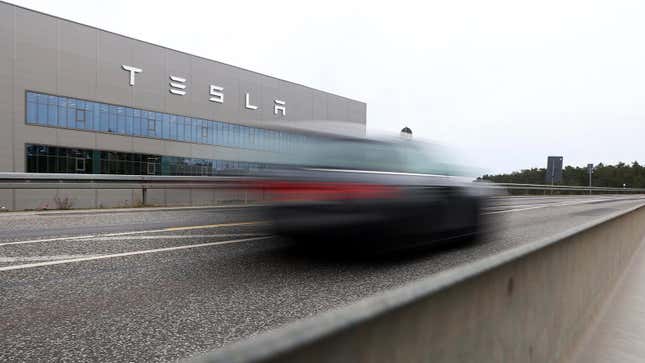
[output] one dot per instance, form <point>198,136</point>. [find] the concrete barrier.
<point>54,199</point>
<point>34,191</point>
<point>529,304</point>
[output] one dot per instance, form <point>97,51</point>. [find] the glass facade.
<point>53,159</point>
<point>49,159</point>
<point>73,113</point>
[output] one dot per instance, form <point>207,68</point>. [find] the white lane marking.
<point>169,229</point>
<point>190,236</point>
<point>547,205</point>
<point>41,258</point>
<point>47,240</point>
<point>124,254</point>
<point>522,205</point>
<point>125,210</point>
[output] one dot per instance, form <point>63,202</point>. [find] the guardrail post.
<point>144,195</point>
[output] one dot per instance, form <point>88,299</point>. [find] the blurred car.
<point>341,188</point>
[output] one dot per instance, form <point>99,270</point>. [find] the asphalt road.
<point>161,285</point>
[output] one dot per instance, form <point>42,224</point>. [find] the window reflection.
<point>62,112</point>
<point>53,159</point>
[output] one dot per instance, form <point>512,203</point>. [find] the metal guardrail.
<point>112,178</point>
<point>148,182</point>
<point>111,181</point>
<point>515,186</point>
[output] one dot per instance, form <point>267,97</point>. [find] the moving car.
<point>350,189</point>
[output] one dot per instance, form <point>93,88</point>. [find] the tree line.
<point>631,176</point>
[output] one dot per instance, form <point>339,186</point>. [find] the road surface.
<point>161,285</point>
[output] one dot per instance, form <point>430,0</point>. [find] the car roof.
<point>328,129</point>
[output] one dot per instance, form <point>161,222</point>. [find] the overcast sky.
<point>508,82</point>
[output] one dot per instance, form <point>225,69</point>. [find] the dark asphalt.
<point>172,304</point>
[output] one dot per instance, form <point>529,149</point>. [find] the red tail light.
<point>319,191</point>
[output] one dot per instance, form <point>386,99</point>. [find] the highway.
<point>161,285</point>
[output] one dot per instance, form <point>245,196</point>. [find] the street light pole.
<point>590,171</point>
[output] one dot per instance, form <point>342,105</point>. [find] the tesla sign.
<point>178,86</point>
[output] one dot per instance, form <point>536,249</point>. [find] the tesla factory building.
<point>77,99</point>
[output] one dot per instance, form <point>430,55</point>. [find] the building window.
<point>52,159</point>
<point>152,168</point>
<point>65,112</point>
<point>80,164</point>
<point>152,125</point>
<point>80,115</point>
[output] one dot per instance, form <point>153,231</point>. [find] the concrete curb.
<point>128,210</point>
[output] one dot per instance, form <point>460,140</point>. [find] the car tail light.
<point>320,191</point>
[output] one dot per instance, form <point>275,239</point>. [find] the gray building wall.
<point>47,54</point>
<point>43,53</point>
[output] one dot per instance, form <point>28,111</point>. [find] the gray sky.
<point>508,82</point>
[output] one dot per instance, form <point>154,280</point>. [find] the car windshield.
<point>373,155</point>
<point>352,154</point>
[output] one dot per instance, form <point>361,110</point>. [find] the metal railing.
<point>561,188</point>
<point>111,181</point>
<point>146,182</point>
